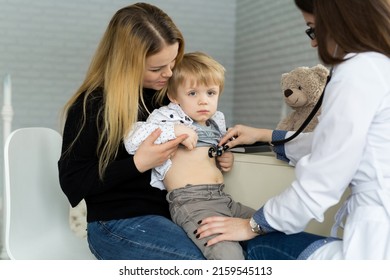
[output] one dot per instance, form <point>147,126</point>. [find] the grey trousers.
<point>193,203</point>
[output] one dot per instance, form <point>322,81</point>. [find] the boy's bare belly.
<point>192,167</point>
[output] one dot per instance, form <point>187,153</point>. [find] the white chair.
<point>37,212</point>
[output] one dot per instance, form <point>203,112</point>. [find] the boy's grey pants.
<point>193,203</point>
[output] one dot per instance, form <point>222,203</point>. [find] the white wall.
<point>46,46</point>
<point>270,41</point>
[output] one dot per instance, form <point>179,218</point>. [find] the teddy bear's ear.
<point>284,75</point>
<point>282,79</point>
<point>321,71</point>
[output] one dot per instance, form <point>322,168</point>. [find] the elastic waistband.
<point>198,189</point>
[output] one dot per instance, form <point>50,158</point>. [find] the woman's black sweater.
<point>124,191</point>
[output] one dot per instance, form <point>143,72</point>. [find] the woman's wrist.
<point>139,164</point>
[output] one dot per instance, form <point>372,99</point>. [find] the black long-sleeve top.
<point>124,191</point>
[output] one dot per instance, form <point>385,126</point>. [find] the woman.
<point>127,218</point>
<point>349,147</point>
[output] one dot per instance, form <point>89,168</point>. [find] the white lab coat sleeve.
<point>298,147</point>
<point>350,104</point>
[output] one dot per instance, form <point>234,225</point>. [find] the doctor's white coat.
<point>350,147</point>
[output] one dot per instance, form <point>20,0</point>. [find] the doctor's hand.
<point>245,135</point>
<point>226,228</point>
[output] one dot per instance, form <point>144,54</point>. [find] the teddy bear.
<point>301,88</point>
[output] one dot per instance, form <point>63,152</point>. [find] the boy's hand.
<point>190,142</point>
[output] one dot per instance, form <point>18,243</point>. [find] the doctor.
<point>349,148</point>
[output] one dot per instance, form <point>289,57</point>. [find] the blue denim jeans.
<point>279,246</point>
<point>141,238</point>
<point>157,238</point>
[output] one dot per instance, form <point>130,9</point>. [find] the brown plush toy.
<point>301,88</point>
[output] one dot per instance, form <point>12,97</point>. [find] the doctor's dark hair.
<point>305,5</point>
<point>356,26</point>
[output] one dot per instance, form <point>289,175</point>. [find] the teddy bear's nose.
<point>288,92</point>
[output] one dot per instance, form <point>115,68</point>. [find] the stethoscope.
<point>217,151</point>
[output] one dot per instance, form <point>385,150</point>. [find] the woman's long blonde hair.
<point>134,33</point>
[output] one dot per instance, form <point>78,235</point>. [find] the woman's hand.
<point>225,161</point>
<point>227,228</point>
<point>245,135</point>
<point>150,155</point>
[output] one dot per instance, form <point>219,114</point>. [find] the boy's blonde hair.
<point>198,67</point>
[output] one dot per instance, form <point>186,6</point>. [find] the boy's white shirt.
<point>165,118</point>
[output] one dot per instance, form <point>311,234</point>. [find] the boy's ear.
<point>173,100</point>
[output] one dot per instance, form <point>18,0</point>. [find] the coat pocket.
<point>367,234</point>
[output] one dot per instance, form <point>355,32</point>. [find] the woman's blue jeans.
<point>141,238</point>
<point>279,246</point>
<point>158,238</point>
